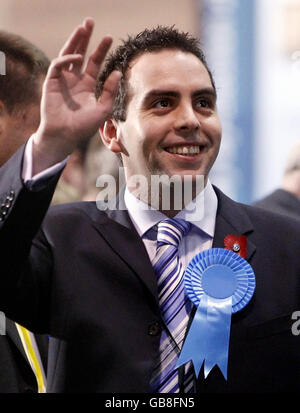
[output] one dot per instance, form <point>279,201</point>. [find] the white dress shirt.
<point>198,239</point>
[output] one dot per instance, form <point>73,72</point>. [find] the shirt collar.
<point>145,217</point>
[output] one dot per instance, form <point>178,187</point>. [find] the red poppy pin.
<point>236,243</point>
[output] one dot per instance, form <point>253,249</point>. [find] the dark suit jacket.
<point>91,286</point>
<point>282,202</point>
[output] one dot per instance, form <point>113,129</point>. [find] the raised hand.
<point>70,111</point>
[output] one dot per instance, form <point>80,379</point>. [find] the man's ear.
<point>109,135</point>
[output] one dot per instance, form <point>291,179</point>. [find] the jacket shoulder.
<point>261,219</point>
<point>74,212</point>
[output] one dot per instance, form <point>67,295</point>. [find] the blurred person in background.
<point>99,160</point>
<point>20,92</point>
<point>22,355</point>
<point>70,187</point>
<point>78,180</point>
<point>286,199</point>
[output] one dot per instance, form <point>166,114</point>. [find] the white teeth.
<point>184,150</point>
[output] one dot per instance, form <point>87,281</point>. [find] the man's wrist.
<point>47,151</point>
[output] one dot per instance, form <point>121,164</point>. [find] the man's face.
<point>172,126</point>
<point>17,127</point>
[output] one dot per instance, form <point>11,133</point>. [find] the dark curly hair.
<point>148,40</point>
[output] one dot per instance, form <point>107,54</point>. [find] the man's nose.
<point>186,119</point>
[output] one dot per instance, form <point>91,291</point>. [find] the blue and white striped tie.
<point>174,305</point>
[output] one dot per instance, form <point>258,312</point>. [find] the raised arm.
<point>70,111</point>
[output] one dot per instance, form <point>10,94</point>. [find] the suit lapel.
<point>117,229</point>
<point>232,219</point>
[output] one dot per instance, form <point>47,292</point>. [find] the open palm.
<point>70,111</point>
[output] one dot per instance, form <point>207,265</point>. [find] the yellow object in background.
<point>31,351</point>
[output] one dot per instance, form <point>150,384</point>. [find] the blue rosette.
<point>219,282</point>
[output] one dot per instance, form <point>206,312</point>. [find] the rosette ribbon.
<point>219,282</point>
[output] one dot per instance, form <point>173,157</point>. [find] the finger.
<point>62,63</point>
<point>109,92</point>
<point>82,47</point>
<point>73,41</point>
<point>80,35</point>
<point>96,59</point>
<point>84,42</point>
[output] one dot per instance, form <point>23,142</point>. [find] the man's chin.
<point>182,176</point>
<point>175,187</point>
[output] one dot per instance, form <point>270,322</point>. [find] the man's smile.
<point>185,151</point>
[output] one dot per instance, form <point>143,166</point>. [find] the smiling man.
<point>167,120</point>
<point>171,124</point>
<point>108,286</point>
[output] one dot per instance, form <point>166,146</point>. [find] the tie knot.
<point>170,231</point>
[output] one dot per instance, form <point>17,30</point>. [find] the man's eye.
<point>203,103</point>
<point>162,103</point>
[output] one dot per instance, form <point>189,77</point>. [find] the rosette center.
<point>219,281</point>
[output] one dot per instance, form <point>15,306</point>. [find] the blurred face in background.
<point>17,127</point>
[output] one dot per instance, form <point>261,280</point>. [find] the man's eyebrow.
<point>161,92</point>
<point>206,91</point>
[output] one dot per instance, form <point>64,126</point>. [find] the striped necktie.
<point>174,305</point>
